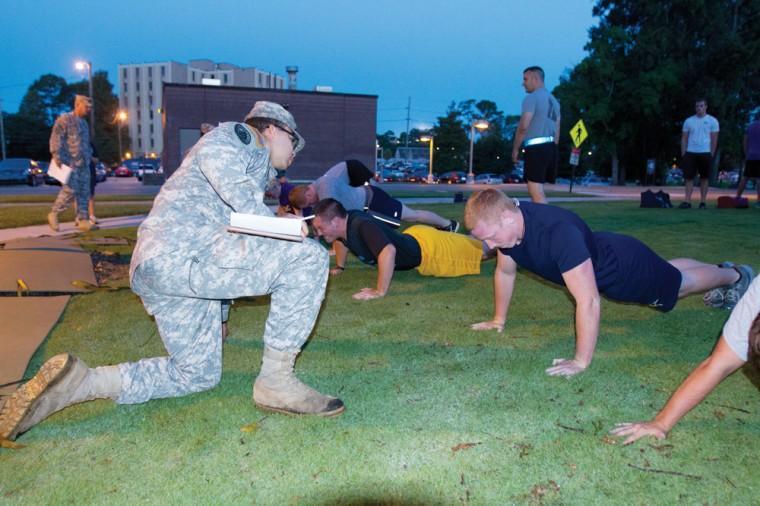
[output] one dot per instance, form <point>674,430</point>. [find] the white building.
<point>140,87</point>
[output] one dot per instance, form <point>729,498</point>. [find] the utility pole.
<point>2,129</point>
<point>408,112</point>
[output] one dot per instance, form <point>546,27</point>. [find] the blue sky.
<point>431,51</point>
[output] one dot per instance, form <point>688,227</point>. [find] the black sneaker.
<point>685,205</point>
<point>453,226</point>
<point>702,205</point>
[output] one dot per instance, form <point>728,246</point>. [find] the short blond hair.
<point>486,205</point>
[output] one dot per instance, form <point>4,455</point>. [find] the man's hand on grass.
<point>489,325</point>
<point>638,430</point>
<point>367,294</point>
<point>565,367</point>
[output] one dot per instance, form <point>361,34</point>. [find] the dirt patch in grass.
<point>110,268</point>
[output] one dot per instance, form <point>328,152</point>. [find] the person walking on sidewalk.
<point>70,145</point>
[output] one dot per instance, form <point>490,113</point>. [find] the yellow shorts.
<point>445,254</point>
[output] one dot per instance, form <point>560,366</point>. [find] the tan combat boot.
<point>61,381</point>
<point>86,226</point>
<point>277,389</point>
<point>52,218</point>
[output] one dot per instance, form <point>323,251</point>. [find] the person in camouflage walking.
<point>70,145</point>
<point>186,267</point>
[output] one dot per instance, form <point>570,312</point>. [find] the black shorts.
<point>93,177</point>
<point>383,203</point>
<point>541,163</point>
<point>751,168</point>
<point>696,163</point>
<point>641,275</point>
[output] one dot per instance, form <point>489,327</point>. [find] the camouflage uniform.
<point>186,265</point>
<point>70,145</point>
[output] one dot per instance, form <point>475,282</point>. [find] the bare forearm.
<point>692,391</point>
<point>386,265</point>
<point>586,330</point>
<point>503,287</point>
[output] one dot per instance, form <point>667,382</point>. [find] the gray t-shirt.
<point>334,184</point>
<point>545,109</point>
<point>699,130</point>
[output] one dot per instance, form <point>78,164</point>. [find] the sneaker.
<point>715,298</point>
<point>86,226</point>
<point>731,299</point>
<point>685,205</point>
<point>702,205</point>
<point>453,226</point>
<point>93,219</point>
<point>746,274</point>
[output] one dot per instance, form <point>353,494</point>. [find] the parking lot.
<point>111,186</point>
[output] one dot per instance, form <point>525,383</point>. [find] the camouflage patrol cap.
<point>271,110</point>
<point>82,98</point>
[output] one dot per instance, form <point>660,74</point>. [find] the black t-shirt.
<point>366,237</point>
<point>557,240</point>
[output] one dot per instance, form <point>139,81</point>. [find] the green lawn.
<point>23,216</point>
<point>436,413</point>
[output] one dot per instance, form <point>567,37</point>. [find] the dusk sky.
<point>431,51</point>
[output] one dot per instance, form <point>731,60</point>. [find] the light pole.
<point>480,124</point>
<point>430,138</point>
<point>121,117</point>
<point>80,65</point>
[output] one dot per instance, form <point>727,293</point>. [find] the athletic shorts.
<point>446,254</point>
<point>640,275</point>
<point>93,177</point>
<point>383,203</point>
<point>541,163</point>
<point>751,168</point>
<point>696,163</point>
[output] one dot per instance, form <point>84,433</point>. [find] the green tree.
<point>388,142</point>
<point>45,100</point>
<point>648,61</point>
<point>451,141</point>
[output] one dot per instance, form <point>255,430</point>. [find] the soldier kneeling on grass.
<point>186,267</point>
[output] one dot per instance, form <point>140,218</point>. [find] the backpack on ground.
<point>726,202</point>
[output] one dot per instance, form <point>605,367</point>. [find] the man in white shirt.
<point>699,141</point>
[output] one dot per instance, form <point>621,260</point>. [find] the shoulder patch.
<point>243,134</point>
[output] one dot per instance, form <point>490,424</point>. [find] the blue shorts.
<point>638,275</point>
<point>385,204</point>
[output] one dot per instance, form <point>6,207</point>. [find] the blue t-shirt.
<point>557,240</point>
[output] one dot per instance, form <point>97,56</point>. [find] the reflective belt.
<point>538,140</point>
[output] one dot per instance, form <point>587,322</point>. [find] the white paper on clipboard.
<point>60,172</point>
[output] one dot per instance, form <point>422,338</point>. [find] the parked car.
<point>489,178</point>
<point>21,171</point>
<point>674,177</point>
<point>100,172</point>
<point>122,171</point>
<point>513,177</point>
<point>390,176</point>
<point>417,176</point>
<point>594,180</point>
<point>453,177</point>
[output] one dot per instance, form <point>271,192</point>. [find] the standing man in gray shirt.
<point>538,133</point>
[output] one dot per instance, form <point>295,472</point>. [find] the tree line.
<point>647,63</point>
<point>27,132</point>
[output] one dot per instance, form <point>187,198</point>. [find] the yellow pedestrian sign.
<point>578,133</point>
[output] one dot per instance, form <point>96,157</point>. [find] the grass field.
<point>436,413</point>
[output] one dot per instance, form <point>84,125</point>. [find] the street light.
<point>430,138</point>
<point>80,66</point>
<point>480,124</point>
<point>121,117</point>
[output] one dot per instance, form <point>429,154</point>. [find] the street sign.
<point>575,156</point>
<point>578,133</point>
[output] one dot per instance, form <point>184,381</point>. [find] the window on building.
<point>150,85</point>
<point>150,71</point>
<point>138,103</point>
<point>193,76</point>
<point>125,86</point>
<point>163,71</point>
<point>152,144</point>
<point>269,80</point>
<point>225,78</point>
<point>137,85</point>
<point>150,100</point>
<point>151,113</point>
<point>139,143</point>
<point>151,130</point>
<point>139,112</point>
<point>139,129</point>
<point>137,72</point>
<point>126,102</point>
<point>124,74</point>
